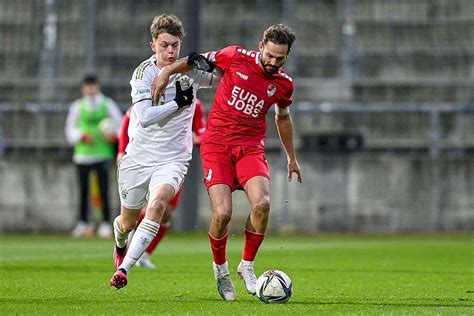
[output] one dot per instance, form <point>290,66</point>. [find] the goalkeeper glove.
<point>200,62</point>
<point>183,98</point>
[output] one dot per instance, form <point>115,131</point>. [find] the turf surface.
<point>418,275</point>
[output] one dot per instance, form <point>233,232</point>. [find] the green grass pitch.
<point>331,274</point>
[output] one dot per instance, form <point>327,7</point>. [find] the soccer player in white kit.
<point>160,147</point>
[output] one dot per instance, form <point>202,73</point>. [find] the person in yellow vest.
<point>92,124</point>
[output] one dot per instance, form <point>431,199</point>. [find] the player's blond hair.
<point>166,23</point>
<point>279,34</point>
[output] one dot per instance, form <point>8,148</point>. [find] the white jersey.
<point>171,138</point>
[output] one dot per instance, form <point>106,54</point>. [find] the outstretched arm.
<point>285,131</point>
<point>159,84</point>
<point>148,114</point>
<point>185,64</point>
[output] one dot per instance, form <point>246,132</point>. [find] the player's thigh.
<point>158,201</point>
<point>172,173</point>
<point>253,163</point>
<point>216,165</point>
<point>133,181</point>
<point>258,192</point>
<point>165,183</point>
<point>220,196</point>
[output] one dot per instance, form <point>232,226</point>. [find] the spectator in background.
<point>91,127</point>
<point>124,136</point>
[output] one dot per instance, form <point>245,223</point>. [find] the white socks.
<point>246,263</point>
<point>143,236</point>
<point>120,236</point>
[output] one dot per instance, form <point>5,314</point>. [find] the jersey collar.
<point>259,66</point>
<point>257,58</point>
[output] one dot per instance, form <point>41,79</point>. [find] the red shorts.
<point>233,165</point>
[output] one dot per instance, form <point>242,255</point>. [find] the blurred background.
<point>383,114</point>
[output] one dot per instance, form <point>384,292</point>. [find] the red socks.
<point>252,242</point>
<point>218,247</point>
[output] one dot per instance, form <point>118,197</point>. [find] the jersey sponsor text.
<point>245,101</point>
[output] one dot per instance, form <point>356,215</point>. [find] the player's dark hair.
<point>279,34</point>
<point>166,23</point>
<point>90,79</point>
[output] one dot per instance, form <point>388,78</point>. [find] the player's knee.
<point>128,224</point>
<point>157,205</point>
<point>262,206</point>
<point>222,219</point>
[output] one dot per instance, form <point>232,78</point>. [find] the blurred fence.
<point>346,50</point>
<point>38,129</point>
<point>429,127</point>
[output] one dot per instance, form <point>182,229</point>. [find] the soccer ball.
<point>274,287</point>
<point>108,127</point>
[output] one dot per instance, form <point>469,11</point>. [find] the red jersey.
<point>243,97</point>
<point>199,123</point>
<point>123,133</point>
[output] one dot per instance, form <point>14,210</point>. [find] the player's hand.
<point>293,166</point>
<point>159,84</point>
<point>200,62</point>
<point>183,98</point>
<point>86,138</point>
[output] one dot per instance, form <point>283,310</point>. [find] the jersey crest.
<point>271,89</point>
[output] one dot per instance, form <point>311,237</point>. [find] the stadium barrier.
<point>413,170</point>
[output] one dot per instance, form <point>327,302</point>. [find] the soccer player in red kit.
<point>198,127</point>
<point>232,148</point>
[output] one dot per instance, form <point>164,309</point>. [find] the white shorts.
<point>135,181</point>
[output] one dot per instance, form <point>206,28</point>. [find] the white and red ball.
<point>108,127</point>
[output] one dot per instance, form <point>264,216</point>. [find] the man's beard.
<point>275,68</point>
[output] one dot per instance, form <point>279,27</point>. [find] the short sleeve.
<point>223,57</point>
<point>142,79</point>
<point>286,99</point>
